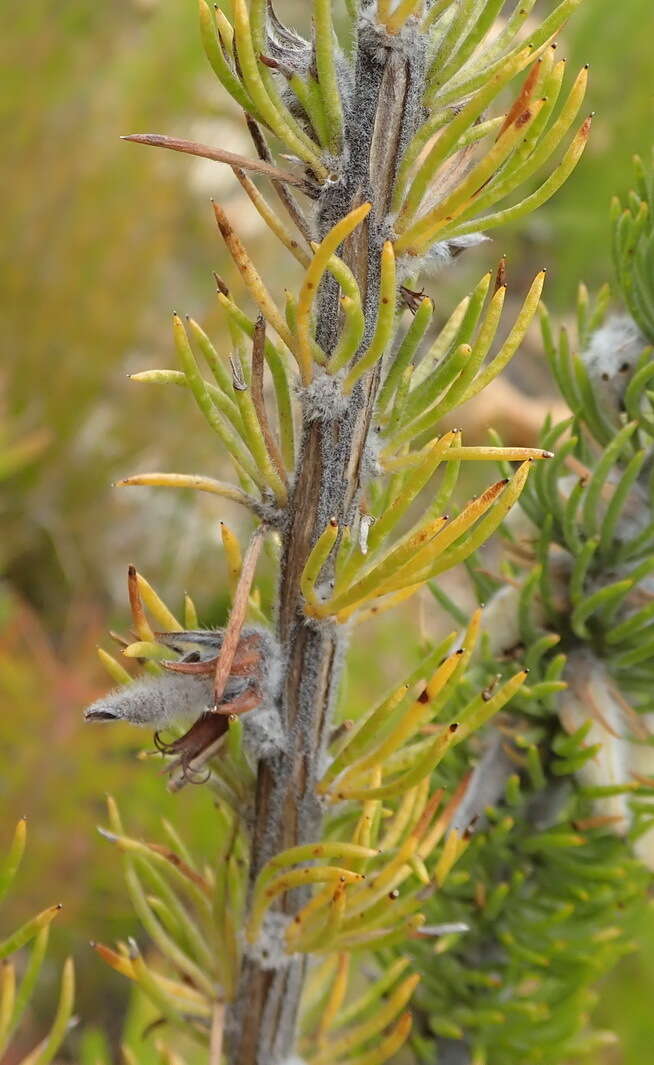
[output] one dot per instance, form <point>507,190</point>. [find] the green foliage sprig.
<point>15,997</point>
<point>553,885</point>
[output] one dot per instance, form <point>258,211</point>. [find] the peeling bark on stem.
<point>331,470</point>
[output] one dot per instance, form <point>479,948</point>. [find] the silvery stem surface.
<point>329,480</point>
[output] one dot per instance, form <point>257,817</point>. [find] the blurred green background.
<point>101,240</point>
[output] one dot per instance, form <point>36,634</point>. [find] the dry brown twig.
<point>218,155</point>
<point>258,346</point>
<point>237,616</point>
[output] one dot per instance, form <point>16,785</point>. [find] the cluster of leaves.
<point>592,581</point>
<point>470,65</point>
<point>15,1000</point>
<point>190,915</point>
<point>548,887</point>
<point>411,403</point>
<point>550,900</point>
<point>423,383</point>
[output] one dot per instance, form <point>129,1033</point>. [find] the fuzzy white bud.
<point>155,702</point>
<point>610,359</point>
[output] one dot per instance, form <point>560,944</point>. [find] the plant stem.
<point>329,479</point>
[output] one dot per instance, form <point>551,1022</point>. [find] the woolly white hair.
<point>323,399</point>
<point>500,620</point>
<point>159,702</point>
<point>611,356</point>
<point>440,255</point>
<point>269,951</point>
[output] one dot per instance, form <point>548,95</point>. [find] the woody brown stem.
<point>329,480</point>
